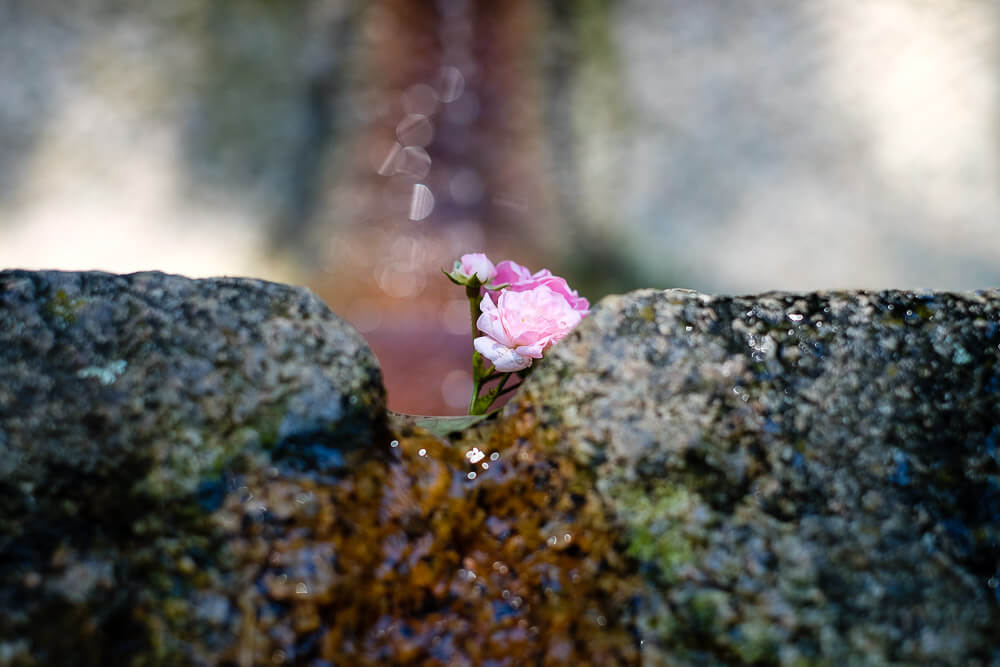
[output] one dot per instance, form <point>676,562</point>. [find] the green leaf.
<point>439,426</point>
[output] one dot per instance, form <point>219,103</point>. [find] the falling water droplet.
<point>420,99</point>
<point>421,203</point>
<point>413,161</point>
<point>415,130</point>
<point>450,84</point>
<point>391,162</point>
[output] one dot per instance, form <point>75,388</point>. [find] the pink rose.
<point>521,280</point>
<point>477,264</point>
<point>522,325</point>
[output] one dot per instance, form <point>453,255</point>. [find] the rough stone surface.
<point>803,479</point>
<point>122,398</point>
<point>685,480</point>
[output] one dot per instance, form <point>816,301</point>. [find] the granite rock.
<point>200,472</point>
<point>802,478</point>
<point>123,398</point>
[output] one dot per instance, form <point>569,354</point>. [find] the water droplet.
<point>422,202</point>
<point>471,475</point>
<point>552,541</point>
<point>795,317</point>
<point>601,621</point>
<point>993,582</point>
<point>394,443</point>
<point>415,130</point>
<point>450,84</point>
<point>422,452</point>
<point>475,455</point>
<point>413,162</point>
<point>494,456</point>
<point>567,537</point>
<point>301,588</point>
<point>392,160</point>
<point>486,466</point>
<point>420,99</point>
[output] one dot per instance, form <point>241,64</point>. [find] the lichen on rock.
<point>804,478</point>
<point>122,400</point>
<point>202,472</point>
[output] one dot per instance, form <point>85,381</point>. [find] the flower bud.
<point>472,270</point>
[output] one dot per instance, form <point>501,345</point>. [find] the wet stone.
<point>686,480</point>
<point>124,399</point>
<point>801,478</point>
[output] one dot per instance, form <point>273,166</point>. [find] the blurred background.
<point>359,147</point>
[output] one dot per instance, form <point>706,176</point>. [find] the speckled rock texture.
<point>802,479</point>
<point>203,473</point>
<point>122,398</point>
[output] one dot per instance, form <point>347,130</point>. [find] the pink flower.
<point>477,264</point>
<point>521,280</point>
<point>522,325</point>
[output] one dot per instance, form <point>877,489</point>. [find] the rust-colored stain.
<point>468,553</point>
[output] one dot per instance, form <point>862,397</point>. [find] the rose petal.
<point>535,349</point>
<point>504,359</point>
<point>511,272</point>
<point>478,264</point>
<point>490,323</point>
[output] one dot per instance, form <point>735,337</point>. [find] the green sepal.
<point>452,278</point>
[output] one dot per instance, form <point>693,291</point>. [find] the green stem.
<point>476,384</point>
<point>474,295</point>
<point>480,404</point>
<point>508,390</point>
<point>479,374</point>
